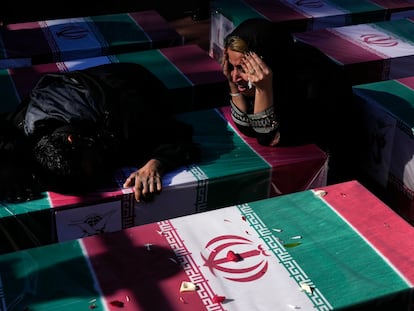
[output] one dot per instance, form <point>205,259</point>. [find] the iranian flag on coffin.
<point>396,9</point>
<point>230,171</point>
<point>29,43</point>
<point>370,52</point>
<point>284,176</point>
<point>298,16</point>
<point>332,248</point>
<point>233,169</point>
<point>292,241</point>
<point>319,14</point>
<point>389,139</point>
<point>194,79</point>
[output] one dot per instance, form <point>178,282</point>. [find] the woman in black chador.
<point>286,93</point>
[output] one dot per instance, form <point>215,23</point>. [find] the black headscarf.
<point>267,39</point>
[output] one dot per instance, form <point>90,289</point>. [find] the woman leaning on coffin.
<point>286,93</point>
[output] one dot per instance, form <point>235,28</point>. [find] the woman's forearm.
<point>263,100</point>
<point>237,98</point>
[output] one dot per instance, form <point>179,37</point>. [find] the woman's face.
<point>238,76</point>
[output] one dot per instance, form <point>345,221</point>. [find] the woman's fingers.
<point>254,64</point>
<point>144,186</point>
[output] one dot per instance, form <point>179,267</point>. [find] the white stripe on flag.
<point>74,32</point>
<point>316,11</point>
<point>357,33</point>
<point>220,231</point>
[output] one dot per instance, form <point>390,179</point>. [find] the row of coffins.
<point>387,110</point>
<point>234,168</point>
<point>368,52</point>
<point>301,16</point>
<point>195,86</point>
<point>332,248</point>
<point>379,59</point>
<point>372,41</point>
<point>213,240</point>
<point>194,80</point>
<point>30,43</point>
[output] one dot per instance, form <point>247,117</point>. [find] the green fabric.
<point>159,65</point>
<point>233,169</point>
<point>400,28</point>
<point>45,279</point>
<point>393,96</point>
<point>110,26</point>
<point>358,269</point>
<point>356,6</point>
<point>14,209</point>
<point>235,10</point>
<point>361,11</point>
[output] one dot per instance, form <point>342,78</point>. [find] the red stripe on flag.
<point>276,10</point>
<point>293,168</point>
<point>341,50</point>
<point>195,64</point>
<point>25,78</point>
<point>156,27</point>
<point>390,234</point>
<point>24,40</point>
<point>409,82</point>
<point>138,267</point>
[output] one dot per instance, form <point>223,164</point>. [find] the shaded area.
<point>20,11</point>
<point>59,276</point>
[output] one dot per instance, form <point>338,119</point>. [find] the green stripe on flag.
<point>43,278</point>
<point>25,208</point>
<point>400,28</point>
<point>9,98</point>
<point>333,256</point>
<point>395,97</point>
<point>119,29</point>
<point>235,10</point>
<point>156,62</point>
<point>355,6</point>
<point>233,169</point>
<point>361,11</point>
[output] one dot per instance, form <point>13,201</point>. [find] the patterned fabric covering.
<point>194,79</point>
<point>387,140</point>
<point>234,168</point>
<point>30,43</point>
<point>332,248</point>
<point>369,52</point>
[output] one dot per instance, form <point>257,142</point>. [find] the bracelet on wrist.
<point>234,94</point>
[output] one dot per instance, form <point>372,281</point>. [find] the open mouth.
<point>242,87</point>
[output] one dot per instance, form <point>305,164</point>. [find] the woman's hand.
<point>146,181</point>
<point>259,74</point>
<point>225,66</point>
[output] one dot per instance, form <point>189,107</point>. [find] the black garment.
<point>324,111</point>
<point>312,95</point>
<point>121,106</point>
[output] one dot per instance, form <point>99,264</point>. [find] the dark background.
<point>15,11</point>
